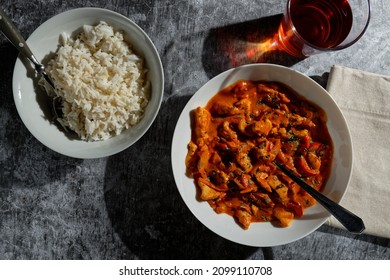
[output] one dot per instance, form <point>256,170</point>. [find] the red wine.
<point>321,23</point>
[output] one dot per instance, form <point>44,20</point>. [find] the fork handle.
<point>348,219</point>
<point>13,35</point>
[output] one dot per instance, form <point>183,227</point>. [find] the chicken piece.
<point>262,127</point>
<point>220,180</point>
<point>245,183</point>
<point>244,89</point>
<point>206,192</point>
<point>203,163</point>
<point>274,182</point>
<point>244,161</point>
<point>296,120</point>
<point>191,158</point>
<point>260,173</point>
<point>202,119</point>
<point>314,161</point>
<point>284,217</point>
<point>262,200</point>
<point>244,218</point>
<point>282,191</point>
<point>224,109</point>
<point>226,132</point>
<point>274,93</point>
<point>300,133</point>
<point>245,106</point>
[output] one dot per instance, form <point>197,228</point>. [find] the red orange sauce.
<point>236,138</point>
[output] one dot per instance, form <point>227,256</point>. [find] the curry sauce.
<point>236,138</point>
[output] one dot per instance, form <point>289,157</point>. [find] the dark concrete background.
<point>127,206</point>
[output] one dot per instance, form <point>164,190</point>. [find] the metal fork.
<point>350,221</point>
<point>13,35</point>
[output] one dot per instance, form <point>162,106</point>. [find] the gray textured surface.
<point>121,207</point>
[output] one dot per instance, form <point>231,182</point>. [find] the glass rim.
<point>336,47</point>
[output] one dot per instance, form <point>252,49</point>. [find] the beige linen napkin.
<point>364,99</point>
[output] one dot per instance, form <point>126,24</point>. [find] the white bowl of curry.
<point>232,131</point>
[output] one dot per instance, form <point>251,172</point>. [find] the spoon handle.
<point>13,35</point>
<point>349,220</point>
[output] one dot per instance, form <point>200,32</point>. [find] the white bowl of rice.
<point>108,74</point>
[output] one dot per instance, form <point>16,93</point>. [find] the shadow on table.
<point>381,241</point>
<point>145,207</point>
<point>244,43</point>
<point>8,55</point>
<point>19,147</point>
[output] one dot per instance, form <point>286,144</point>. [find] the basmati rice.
<point>102,82</point>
